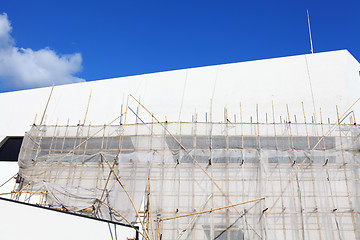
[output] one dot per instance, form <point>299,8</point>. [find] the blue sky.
<point>122,38</point>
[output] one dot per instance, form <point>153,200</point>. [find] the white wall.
<point>334,79</point>
<point>31,223</point>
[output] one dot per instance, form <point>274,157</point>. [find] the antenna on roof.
<point>311,44</point>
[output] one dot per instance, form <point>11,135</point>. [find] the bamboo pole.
<point>35,119</point>
<point>149,207</point>
<point>307,135</point>
<point>8,193</point>
<point>158,228</point>
<point>8,180</point>
<point>210,210</point>
<point>258,126</point>
<point>354,118</point>
<point>242,128</point>
<point>47,103</point>
<point>312,172</point>
<point>87,108</point>
<point>289,121</point>
<point>211,110</point>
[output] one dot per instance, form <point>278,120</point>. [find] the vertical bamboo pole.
<point>211,110</point>
<point>313,176</point>
<point>227,169</point>
<point>158,228</point>
<point>280,174</point>
<point>258,126</point>
<point>212,225</point>
<point>242,128</point>
<point>263,179</point>
<point>331,204</point>
<point>289,121</point>
<point>307,134</point>
<point>84,154</point>
<point>354,117</point>
<point>193,170</point>
<point>147,212</point>
<point>35,119</point>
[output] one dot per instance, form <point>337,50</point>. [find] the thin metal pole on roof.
<point>311,44</point>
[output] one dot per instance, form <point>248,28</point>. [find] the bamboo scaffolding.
<point>260,171</point>
<point>305,160</point>
<point>197,163</point>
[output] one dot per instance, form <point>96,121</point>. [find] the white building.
<point>263,91</point>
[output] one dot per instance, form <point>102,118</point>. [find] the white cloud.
<point>22,68</point>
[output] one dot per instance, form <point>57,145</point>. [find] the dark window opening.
<point>10,148</point>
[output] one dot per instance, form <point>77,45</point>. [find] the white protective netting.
<point>310,187</point>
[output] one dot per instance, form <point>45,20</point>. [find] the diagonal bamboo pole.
<point>87,108</point>
<point>210,210</point>
<point>47,103</point>
<point>8,180</point>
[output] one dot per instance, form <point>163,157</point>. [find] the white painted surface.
<point>334,78</point>
<point>7,170</point>
<point>31,223</point>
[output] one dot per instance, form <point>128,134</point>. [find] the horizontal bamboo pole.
<point>210,210</point>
